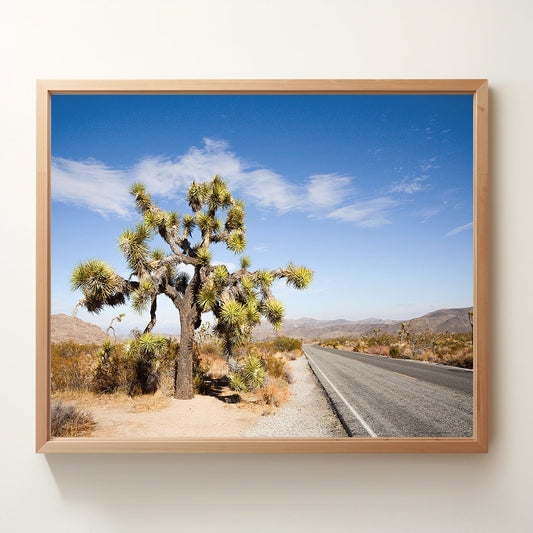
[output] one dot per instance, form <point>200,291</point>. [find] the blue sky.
<point>374,193</point>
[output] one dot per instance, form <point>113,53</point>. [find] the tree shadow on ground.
<point>219,388</point>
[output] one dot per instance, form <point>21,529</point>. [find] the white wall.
<point>271,39</point>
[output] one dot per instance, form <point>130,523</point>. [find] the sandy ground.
<point>306,414</point>
<point>203,416</point>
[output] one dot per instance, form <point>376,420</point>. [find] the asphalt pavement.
<point>378,396</point>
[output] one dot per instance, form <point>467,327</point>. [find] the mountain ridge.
<point>455,320</point>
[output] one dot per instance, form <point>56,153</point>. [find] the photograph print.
<point>261,266</point>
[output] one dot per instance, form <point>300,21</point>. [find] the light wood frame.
<point>477,444</point>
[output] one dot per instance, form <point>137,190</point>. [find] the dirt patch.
<point>156,415</point>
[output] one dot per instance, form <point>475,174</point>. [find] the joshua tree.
<point>237,299</point>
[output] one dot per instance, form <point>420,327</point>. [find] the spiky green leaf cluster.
<point>207,296</point>
<point>265,278</point>
<point>157,254</point>
<point>147,347</point>
<point>220,275</point>
<point>188,222</point>
<point>172,219</point>
<point>143,200</point>
<point>235,216</point>
<point>237,382</point>
<point>203,255</point>
<point>247,286</point>
<point>99,284</point>
<point>142,296</point>
<point>151,344</point>
<point>133,243</point>
<point>253,315</point>
<point>253,372</point>
<point>205,221</point>
<point>274,310</point>
<point>236,241</point>
<point>218,195</point>
<point>232,314</point>
<point>245,262</point>
<point>195,195</point>
<point>155,218</point>
<point>299,277</point>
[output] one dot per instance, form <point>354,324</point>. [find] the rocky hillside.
<point>453,320</point>
<point>68,328</point>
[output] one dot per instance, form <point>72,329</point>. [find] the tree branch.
<point>153,318</point>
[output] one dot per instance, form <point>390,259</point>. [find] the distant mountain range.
<point>64,327</point>
<point>453,320</point>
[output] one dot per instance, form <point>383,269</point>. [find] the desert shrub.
<point>394,352</point>
<point>115,372</point>
<point>454,349</point>
<point>378,350</point>
<point>293,354</point>
<point>209,349</point>
<point>72,365</point>
<point>358,347</point>
<point>66,420</point>
<point>337,342</point>
<point>275,393</point>
<point>286,344</point>
<point>147,351</point>
<point>275,366</point>
<point>464,359</point>
<point>377,337</point>
<point>210,355</point>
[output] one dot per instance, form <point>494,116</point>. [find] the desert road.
<point>381,397</point>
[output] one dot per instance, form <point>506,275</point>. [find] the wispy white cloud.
<point>367,214</point>
<point>409,186</point>
<point>428,213</point>
<point>415,182</point>
<point>91,184</point>
<point>327,190</point>
<point>100,188</point>
<point>427,164</point>
<point>459,229</point>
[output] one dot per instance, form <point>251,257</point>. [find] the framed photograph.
<point>262,266</point>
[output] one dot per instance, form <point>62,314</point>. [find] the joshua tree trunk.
<point>183,389</point>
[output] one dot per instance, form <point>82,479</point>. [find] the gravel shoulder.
<point>307,414</point>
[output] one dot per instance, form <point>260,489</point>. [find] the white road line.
<point>355,413</point>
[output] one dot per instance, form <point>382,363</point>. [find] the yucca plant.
<point>238,300</point>
<point>237,382</point>
<point>146,351</point>
<point>253,372</point>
